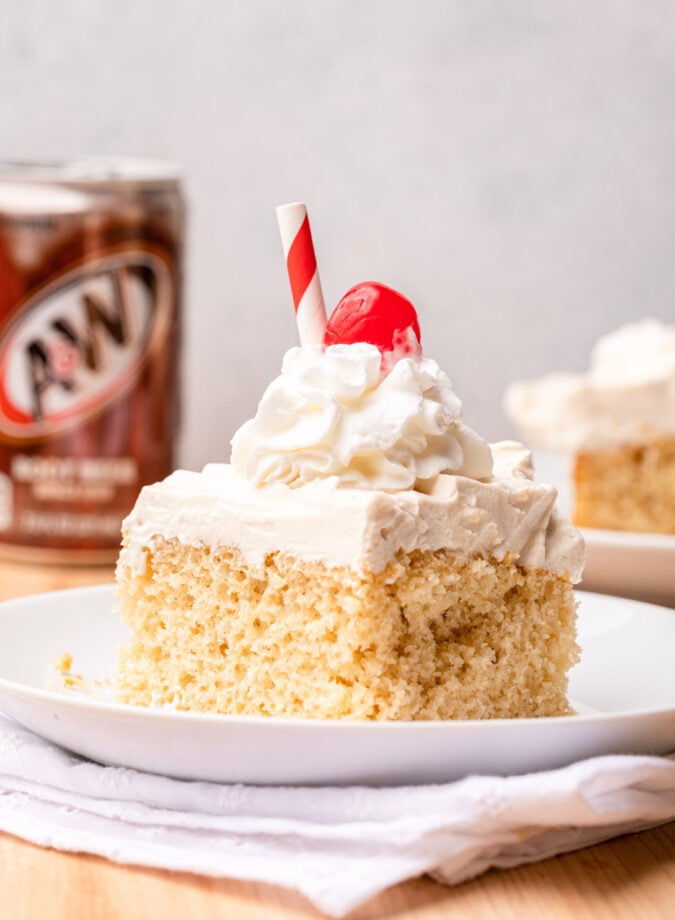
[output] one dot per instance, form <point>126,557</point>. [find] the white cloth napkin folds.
<point>338,846</point>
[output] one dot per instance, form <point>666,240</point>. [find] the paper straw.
<point>303,274</point>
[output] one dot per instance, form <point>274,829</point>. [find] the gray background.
<point>508,165</point>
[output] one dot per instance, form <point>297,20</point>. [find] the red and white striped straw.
<point>303,274</point>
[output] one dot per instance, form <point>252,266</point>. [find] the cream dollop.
<point>627,395</point>
<point>634,353</point>
<point>333,413</point>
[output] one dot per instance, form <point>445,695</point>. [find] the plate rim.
<point>628,539</point>
<point>45,696</point>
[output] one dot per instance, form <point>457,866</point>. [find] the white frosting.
<point>331,413</point>
<point>627,396</point>
<point>360,528</point>
<point>348,462</point>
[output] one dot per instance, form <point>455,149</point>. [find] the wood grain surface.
<point>630,878</point>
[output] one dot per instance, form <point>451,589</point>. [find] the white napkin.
<point>338,846</point>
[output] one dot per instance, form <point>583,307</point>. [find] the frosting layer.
<point>333,413</point>
<point>360,528</point>
<point>627,396</point>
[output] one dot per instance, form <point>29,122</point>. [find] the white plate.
<point>638,565</point>
<point>624,685</point>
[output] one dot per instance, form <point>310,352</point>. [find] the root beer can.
<point>90,285</point>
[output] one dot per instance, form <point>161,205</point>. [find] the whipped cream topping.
<point>634,354</point>
<point>627,396</point>
<point>360,528</point>
<point>334,414</point>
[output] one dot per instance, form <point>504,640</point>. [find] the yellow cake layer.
<point>631,487</point>
<point>431,637</point>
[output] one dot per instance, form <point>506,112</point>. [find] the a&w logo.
<point>80,342</point>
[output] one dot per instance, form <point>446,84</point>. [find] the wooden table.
<point>632,877</point>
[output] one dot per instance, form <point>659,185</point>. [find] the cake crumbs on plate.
<point>63,666</point>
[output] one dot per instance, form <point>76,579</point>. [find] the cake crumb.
<point>63,663</point>
<point>63,666</point>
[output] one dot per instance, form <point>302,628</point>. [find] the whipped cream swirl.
<point>636,353</point>
<point>626,397</point>
<point>332,413</point>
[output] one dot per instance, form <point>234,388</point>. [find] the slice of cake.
<point>618,422</point>
<point>365,555</point>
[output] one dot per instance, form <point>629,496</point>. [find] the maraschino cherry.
<point>373,313</point>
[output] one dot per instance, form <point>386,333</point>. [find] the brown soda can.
<point>90,305</point>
